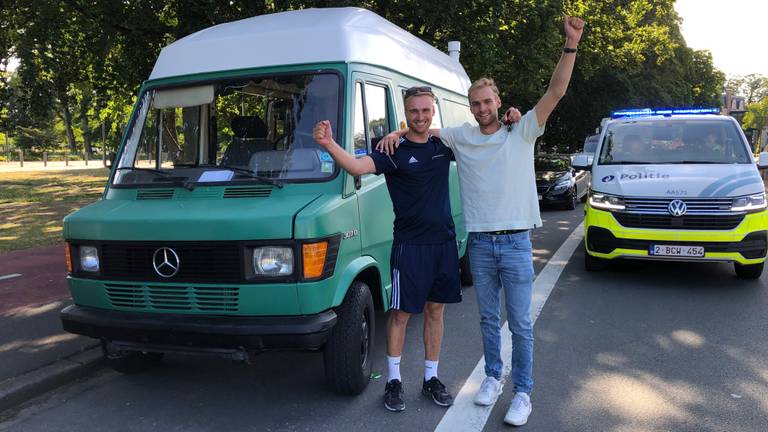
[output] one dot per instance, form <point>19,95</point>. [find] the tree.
<point>753,87</point>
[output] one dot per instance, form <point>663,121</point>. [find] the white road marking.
<point>464,415</point>
<point>10,276</point>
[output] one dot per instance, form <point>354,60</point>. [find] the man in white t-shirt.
<point>498,195</point>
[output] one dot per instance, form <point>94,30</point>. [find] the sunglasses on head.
<point>414,91</point>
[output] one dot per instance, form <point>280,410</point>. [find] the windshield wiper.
<point>253,175</point>
<point>696,162</point>
<point>629,163</point>
<point>152,170</point>
<point>165,177</point>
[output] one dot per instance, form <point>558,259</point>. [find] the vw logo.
<point>677,208</point>
<point>166,262</point>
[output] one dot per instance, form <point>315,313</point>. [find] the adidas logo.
<point>412,160</point>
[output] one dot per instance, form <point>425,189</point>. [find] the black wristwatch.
<point>570,50</point>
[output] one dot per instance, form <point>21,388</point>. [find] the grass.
<point>33,204</point>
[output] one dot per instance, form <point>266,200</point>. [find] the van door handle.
<point>358,183</point>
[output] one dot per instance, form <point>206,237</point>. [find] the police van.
<point>224,228</point>
<point>675,184</point>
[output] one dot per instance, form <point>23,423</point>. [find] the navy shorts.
<point>424,272</point>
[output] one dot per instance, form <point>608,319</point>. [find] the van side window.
<point>456,114</point>
<point>358,131</point>
<point>437,122</point>
<point>376,108</point>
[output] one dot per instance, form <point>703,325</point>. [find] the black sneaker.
<point>436,390</point>
<point>393,396</point>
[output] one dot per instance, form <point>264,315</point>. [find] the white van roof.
<point>310,36</point>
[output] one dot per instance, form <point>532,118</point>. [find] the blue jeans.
<point>505,262</point>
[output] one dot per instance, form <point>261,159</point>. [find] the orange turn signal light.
<point>69,258</point>
<point>313,256</point>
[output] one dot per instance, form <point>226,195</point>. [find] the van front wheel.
<point>748,271</point>
<point>347,353</point>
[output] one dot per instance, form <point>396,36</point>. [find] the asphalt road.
<point>642,346</point>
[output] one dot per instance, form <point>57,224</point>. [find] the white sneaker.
<point>519,410</point>
<point>489,391</point>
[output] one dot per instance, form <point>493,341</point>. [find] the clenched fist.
<point>323,134</point>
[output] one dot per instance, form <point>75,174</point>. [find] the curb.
<point>17,390</point>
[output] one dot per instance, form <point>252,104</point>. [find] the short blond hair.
<point>483,82</point>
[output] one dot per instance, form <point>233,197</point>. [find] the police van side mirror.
<point>762,161</point>
<point>582,162</point>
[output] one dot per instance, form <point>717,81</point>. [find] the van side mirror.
<point>762,161</point>
<point>582,162</point>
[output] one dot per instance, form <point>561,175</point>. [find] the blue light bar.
<point>644,112</point>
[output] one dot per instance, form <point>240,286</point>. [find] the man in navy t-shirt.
<point>424,260</point>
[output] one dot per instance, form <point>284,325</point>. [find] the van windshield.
<point>233,131</point>
<point>673,141</point>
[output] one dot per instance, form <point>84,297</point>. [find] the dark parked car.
<point>558,183</point>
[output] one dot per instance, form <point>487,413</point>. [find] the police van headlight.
<point>272,261</point>
<point>89,259</point>
<point>749,204</point>
<point>606,202</point>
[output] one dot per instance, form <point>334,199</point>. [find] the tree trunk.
<point>68,124</point>
<point>86,131</point>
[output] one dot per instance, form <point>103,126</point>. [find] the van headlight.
<point>272,261</point>
<point>89,259</point>
<point>749,204</point>
<point>606,202</point>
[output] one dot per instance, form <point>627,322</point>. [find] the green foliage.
<point>82,61</point>
<point>753,87</point>
<point>757,115</point>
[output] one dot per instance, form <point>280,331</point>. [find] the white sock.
<point>430,369</point>
<point>393,364</point>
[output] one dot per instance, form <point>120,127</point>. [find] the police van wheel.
<point>130,362</point>
<point>465,269</point>
<point>748,271</point>
<point>347,354</point>
<point>592,263</point>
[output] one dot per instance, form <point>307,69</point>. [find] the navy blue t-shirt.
<point>417,180</point>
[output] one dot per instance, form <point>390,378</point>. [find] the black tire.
<point>573,199</point>
<point>130,362</point>
<point>584,197</point>
<point>593,263</point>
<point>748,271</point>
<point>348,352</point>
<point>465,270</point>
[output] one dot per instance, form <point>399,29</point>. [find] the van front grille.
<point>686,222</point>
<point>208,262</point>
<point>154,194</point>
<point>248,192</point>
<point>173,298</point>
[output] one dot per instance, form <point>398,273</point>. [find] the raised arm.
<point>558,84</point>
<point>323,135</point>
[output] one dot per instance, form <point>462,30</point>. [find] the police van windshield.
<point>673,142</point>
<point>234,131</point>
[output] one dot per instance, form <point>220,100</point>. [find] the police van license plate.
<point>683,251</point>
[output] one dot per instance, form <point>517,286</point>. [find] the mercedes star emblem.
<point>677,208</point>
<point>166,262</point>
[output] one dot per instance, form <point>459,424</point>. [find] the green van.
<point>224,228</point>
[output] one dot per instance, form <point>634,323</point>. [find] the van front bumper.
<point>745,244</point>
<point>171,332</point>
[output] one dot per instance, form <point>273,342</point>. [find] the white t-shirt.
<point>497,179</point>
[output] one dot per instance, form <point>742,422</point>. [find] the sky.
<point>734,31</point>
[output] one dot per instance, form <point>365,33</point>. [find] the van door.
<point>372,120</point>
